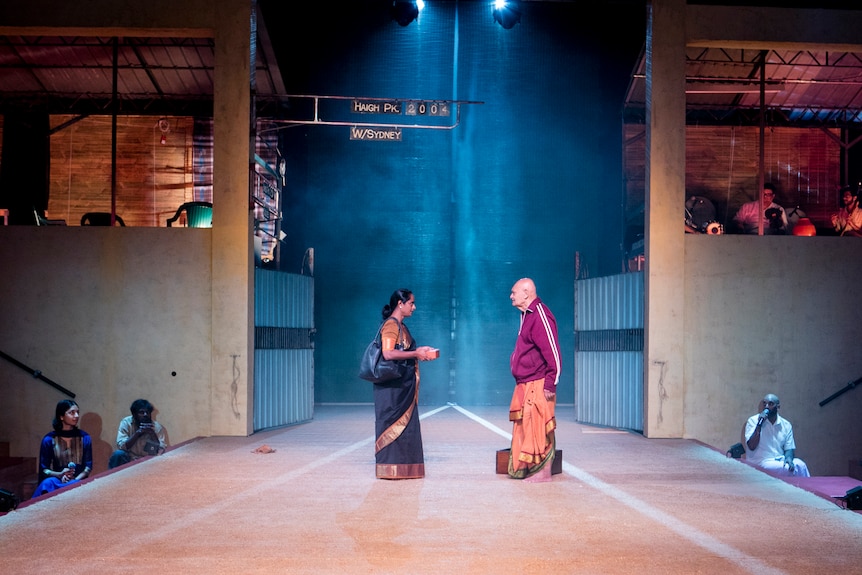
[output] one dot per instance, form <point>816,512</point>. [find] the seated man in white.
<point>138,435</point>
<point>769,441</point>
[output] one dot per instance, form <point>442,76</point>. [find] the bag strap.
<point>380,329</point>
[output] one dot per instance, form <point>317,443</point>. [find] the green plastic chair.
<point>198,214</point>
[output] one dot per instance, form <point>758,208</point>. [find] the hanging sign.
<point>375,107</point>
<point>426,108</point>
<point>375,134</point>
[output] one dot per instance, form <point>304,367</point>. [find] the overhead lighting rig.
<point>507,13</point>
<point>405,11</point>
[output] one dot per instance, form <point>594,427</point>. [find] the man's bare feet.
<point>542,476</point>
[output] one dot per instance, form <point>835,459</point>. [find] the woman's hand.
<point>427,353</point>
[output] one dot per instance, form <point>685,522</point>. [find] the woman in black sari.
<point>398,449</point>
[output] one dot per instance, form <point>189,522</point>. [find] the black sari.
<point>398,448</point>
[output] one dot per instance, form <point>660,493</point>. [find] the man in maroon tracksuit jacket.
<point>536,368</point>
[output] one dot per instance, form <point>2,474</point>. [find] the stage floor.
<point>623,504</point>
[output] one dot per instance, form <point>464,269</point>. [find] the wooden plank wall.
<point>152,179</point>
<point>722,165</point>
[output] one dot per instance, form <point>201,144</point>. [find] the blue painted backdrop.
<point>530,177</point>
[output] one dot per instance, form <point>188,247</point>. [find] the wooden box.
<point>503,462</point>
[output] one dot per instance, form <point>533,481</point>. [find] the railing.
<point>36,374</point>
<point>846,388</point>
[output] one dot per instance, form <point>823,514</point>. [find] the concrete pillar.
<point>665,192</point>
<point>233,263</point>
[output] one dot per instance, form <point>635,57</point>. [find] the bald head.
<point>771,402</point>
<point>523,293</point>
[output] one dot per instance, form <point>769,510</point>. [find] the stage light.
<point>507,13</point>
<point>405,11</point>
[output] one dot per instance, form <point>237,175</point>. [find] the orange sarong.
<point>533,443</point>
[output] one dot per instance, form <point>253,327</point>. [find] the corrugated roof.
<point>801,87</point>
<point>153,75</point>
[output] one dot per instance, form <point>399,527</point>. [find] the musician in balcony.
<point>848,220</point>
<point>773,215</point>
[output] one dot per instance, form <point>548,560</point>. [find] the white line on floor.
<point>185,520</point>
<point>684,530</point>
<point>681,528</point>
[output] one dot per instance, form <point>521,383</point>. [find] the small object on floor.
<point>8,501</point>
<point>736,451</point>
<point>853,499</point>
<point>263,449</point>
<point>503,462</point>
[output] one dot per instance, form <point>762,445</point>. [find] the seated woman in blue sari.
<point>66,454</point>
<point>398,448</point>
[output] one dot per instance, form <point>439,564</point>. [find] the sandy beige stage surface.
<point>623,504</point>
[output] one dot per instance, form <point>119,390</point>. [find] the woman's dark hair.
<point>398,296</point>
<point>63,406</point>
<point>140,404</point>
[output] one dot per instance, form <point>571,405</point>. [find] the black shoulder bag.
<point>374,367</point>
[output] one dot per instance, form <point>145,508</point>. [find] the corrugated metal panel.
<point>283,387</point>
<point>609,319</point>
<point>284,349</point>
<point>610,302</point>
<point>610,340</point>
<point>609,388</point>
<point>283,338</point>
<point>282,299</point>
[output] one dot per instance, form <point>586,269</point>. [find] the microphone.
<point>72,466</point>
<point>764,414</point>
